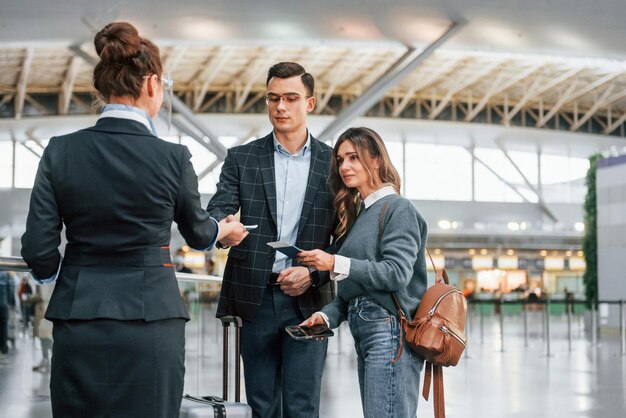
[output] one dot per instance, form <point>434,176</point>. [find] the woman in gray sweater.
<point>369,266</point>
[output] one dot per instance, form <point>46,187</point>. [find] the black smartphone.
<point>305,332</point>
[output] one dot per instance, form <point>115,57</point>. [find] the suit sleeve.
<point>194,223</point>
<point>40,242</point>
<point>225,201</point>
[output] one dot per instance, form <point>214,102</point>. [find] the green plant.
<point>590,240</point>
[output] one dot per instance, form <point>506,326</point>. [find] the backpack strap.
<point>435,374</point>
<point>432,372</point>
<point>439,276</point>
<point>400,312</point>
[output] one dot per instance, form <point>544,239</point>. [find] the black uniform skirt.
<point>106,368</point>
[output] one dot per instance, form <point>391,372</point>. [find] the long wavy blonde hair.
<point>367,143</point>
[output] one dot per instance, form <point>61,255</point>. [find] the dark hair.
<point>292,69</point>
<point>347,200</point>
<point>125,58</point>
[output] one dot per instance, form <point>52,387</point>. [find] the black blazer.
<point>247,182</point>
<point>117,189</point>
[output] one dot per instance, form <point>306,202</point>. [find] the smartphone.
<point>305,332</point>
<point>285,248</point>
<point>250,227</point>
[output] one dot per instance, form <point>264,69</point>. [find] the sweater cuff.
<point>342,268</point>
<point>324,317</point>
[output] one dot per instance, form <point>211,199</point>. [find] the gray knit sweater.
<point>394,264</point>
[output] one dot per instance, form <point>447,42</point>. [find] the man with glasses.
<point>279,183</point>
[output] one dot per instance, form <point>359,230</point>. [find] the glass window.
<point>395,155</point>
<point>201,158</point>
<point>6,163</point>
<point>438,172</point>
<point>490,188</point>
<point>563,178</point>
<point>208,184</point>
<point>26,164</point>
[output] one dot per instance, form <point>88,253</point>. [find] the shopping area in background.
<point>482,274</point>
<point>187,260</point>
<point>22,308</point>
<point>510,275</point>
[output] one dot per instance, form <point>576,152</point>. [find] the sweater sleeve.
<point>336,311</point>
<point>399,246</point>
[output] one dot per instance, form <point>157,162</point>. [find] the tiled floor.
<point>575,380</point>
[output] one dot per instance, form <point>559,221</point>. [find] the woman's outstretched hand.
<point>318,259</point>
<point>313,319</point>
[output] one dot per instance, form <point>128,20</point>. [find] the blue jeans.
<point>388,389</point>
<point>283,376</point>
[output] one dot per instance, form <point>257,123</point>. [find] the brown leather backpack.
<point>436,332</point>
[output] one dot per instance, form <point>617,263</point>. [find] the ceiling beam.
<point>566,96</point>
<point>252,101</point>
<point>540,200</point>
<point>537,88</point>
<point>210,140</point>
<point>573,94</point>
<point>499,87</point>
<point>209,74</point>
<point>212,101</point>
<point>68,84</point>
<point>346,69</point>
<point>376,70</point>
<point>411,60</point>
<point>461,84</point>
<point>492,171</point>
<point>429,78</point>
<point>6,99</point>
<point>262,62</point>
<point>172,61</point>
<point>23,82</point>
<point>603,101</point>
<point>615,124</point>
<point>31,136</point>
<point>34,103</point>
<point>209,169</point>
<point>76,49</point>
<point>29,148</point>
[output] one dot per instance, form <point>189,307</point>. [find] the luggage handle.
<point>226,321</point>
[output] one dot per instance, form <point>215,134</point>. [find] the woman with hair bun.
<point>119,320</point>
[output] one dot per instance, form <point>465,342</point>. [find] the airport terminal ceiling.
<point>539,77</point>
<point>547,65</point>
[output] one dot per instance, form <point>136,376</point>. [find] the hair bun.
<point>117,42</point>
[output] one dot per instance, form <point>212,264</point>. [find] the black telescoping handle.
<point>226,321</point>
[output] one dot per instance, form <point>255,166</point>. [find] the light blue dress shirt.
<point>116,110</point>
<point>292,175</point>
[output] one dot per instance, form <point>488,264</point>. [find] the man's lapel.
<point>317,173</point>
<point>266,163</point>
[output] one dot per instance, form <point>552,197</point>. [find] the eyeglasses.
<point>167,83</point>
<point>288,98</point>
<point>168,93</point>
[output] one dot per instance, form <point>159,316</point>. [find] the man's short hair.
<point>292,69</point>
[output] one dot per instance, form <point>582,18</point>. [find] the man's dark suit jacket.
<point>117,188</point>
<point>247,182</point>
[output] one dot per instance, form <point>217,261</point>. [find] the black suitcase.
<point>213,406</point>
